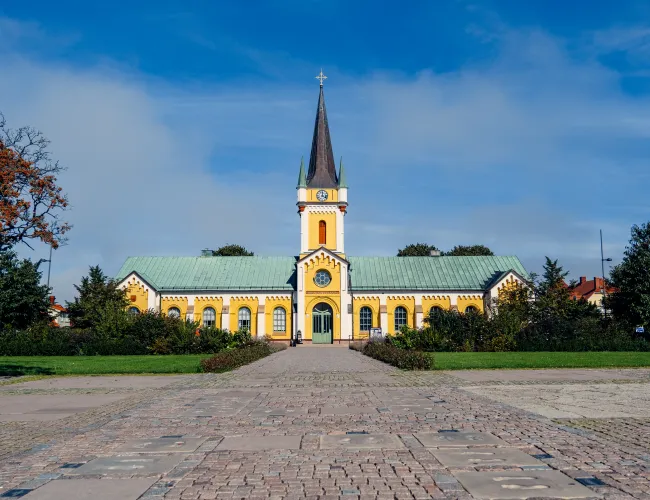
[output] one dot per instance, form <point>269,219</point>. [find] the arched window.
<point>209,317</point>
<point>322,233</point>
<point>174,312</point>
<point>400,318</point>
<point>470,309</point>
<point>434,310</point>
<point>279,320</point>
<point>365,319</point>
<point>244,322</point>
<point>133,311</point>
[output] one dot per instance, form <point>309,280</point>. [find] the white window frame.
<point>365,316</point>
<point>244,323</point>
<point>209,322</point>
<point>402,312</point>
<point>279,320</point>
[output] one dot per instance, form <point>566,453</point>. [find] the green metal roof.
<point>430,273</point>
<point>278,273</point>
<point>213,273</point>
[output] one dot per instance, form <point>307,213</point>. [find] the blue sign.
<point>640,329</point>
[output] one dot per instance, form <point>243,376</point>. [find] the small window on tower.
<point>322,233</point>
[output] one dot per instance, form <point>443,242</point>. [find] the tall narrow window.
<point>322,233</point>
<point>244,319</point>
<point>209,317</point>
<point>365,319</point>
<point>400,317</point>
<point>279,320</point>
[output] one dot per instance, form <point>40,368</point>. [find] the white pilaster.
<point>383,314</point>
<point>153,300</point>
<point>300,301</point>
<point>340,242</point>
<point>225,314</point>
<point>304,231</point>
<point>346,305</point>
<point>418,311</point>
<point>261,324</point>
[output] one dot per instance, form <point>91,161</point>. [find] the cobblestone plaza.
<point>327,422</point>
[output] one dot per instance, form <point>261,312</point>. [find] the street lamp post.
<point>49,268</point>
<point>602,264</point>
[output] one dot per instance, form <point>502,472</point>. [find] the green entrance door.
<point>321,332</point>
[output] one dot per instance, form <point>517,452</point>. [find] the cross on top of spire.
<point>321,77</point>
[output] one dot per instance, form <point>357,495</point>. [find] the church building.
<point>322,292</point>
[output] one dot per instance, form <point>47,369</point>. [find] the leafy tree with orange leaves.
<point>30,199</point>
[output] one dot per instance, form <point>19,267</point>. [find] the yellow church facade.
<point>321,294</point>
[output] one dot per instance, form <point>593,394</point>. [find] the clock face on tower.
<point>321,195</point>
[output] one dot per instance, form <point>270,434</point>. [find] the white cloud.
<point>530,155</point>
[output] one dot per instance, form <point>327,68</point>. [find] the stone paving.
<point>329,423</point>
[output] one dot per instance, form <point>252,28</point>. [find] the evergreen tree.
<point>97,294</point>
<point>553,296</point>
<point>462,250</point>
<point>232,251</point>
<point>631,303</point>
<point>23,300</point>
<point>416,250</point>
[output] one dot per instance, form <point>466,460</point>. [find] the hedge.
<point>147,333</point>
<point>392,355</point>
<point>234,358</point>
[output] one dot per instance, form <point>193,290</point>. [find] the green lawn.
<point>487,360</point>
<point>96,365</point>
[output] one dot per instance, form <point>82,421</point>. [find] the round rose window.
<point>322,278</point>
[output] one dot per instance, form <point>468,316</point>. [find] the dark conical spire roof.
<point>322,170</point>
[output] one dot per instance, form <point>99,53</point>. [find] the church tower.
<point>322,194</point>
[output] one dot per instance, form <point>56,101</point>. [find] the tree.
<point>30,200</point>
<point>232,251</point>
<point>97,294</point>
<point>553,295</point>
<point>462,250</point>
<point>23,300</point>
<point>416,250</point>
<point>631,303</point>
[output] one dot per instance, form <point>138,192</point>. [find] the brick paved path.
<point>327,423</point>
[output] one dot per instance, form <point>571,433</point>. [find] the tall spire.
<point>322,169</point>
<point>302,183</point>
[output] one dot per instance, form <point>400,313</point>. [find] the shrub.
<point>234,358</point>
<point>401,358</point>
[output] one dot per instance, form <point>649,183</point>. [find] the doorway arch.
<point>322,326</point>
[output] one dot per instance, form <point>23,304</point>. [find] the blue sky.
<point>520,125</point>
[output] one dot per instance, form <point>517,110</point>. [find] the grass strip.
<point>493,360</point>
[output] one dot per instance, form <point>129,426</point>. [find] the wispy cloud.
<point>530,154</point>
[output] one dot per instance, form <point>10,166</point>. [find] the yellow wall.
<point>372,303</point>
<point>178,301</point>
<point>136,289</point>
<point>469,300</point>
<point>237,303</point>
<point>332,195</point>
<point>329,294</point>
<point>269,306</point>
<point>405,301</point>
<point>314,220</point>
<point>429,301</point>
<point>200,303</point>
